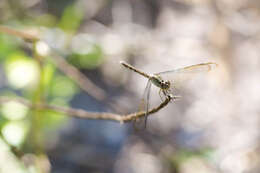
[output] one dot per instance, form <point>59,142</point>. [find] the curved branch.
<point>80,113</point>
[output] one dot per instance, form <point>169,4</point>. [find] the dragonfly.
<point>166,86</point>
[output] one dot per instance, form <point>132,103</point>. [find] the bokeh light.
<point>22,72</point>
<point>14,132</point>
<point>14,110</point>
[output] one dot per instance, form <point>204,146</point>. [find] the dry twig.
<point>80,113</point>
<point>17,33</point>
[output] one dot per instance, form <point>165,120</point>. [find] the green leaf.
<point>63,87</point>
<point>87,59</point>
<point>48,74</point>
<point>7,46</point>
<point>47,20</point>
<point>71,19</point>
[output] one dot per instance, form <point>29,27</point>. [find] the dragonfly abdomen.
<point>134,69</point>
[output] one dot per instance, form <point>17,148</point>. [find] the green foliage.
<point>62,87</point>
<point>71,19</point>
<point>89,59</point>
<point>24,74</point>
<point>184,155</point>
<point>48,74</point>
<point>2,120</point>
<point>46,20</point>
<point>7,46</point>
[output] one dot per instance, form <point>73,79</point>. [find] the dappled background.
<point>213,128</point>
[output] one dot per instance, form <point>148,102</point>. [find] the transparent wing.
<point>180,78</point>
<point>203,67</point>
<point>144,106</point>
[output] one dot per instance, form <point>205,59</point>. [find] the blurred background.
<point>213,128</point>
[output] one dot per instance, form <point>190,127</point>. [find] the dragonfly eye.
<point>165,84</point>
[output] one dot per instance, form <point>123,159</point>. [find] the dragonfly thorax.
<point>159,82</point>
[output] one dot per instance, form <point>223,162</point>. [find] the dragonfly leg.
<point>160,94</point>
<point>137,120</point>
<point>165,92</point>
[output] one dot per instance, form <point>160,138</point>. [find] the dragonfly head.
<point>165,84</point>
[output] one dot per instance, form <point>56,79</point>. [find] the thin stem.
<point>17,33</point>
<point>38,97</point>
